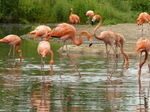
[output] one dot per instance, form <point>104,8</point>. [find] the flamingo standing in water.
<point>73,17</point>
<point>14,41</point>
<point>113,39</point>
<point>41,31</point>
<point>65,32</point>
<point>143,17</point>
<point>143,45</point>
<point>44,49</point>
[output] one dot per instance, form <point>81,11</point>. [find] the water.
<point>25,88</point>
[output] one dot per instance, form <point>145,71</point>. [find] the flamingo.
<point>14,41</point>
<point>65,32</point>
<point>41,31</point>
<point>91,14</point>
<point>143,17</point>
<point>113,39</point>
<point>73,17</point>
<point>44,49</point>
<point>143,45</point>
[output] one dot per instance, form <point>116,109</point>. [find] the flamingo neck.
<point>125,55</point>
<point>80,38</point>
<point>97,27</point>
<point>142,63</point>
<point>70,12</point>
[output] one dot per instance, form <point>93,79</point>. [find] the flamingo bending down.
<point>65,32</point>
<point>74,18</point>
<point>15,41</point>
<point>143,17</point>
<point>113,39</point>
<point>143,45</point>
<point>41,31</point>
<point>91,14</point>
<point>44,49</point>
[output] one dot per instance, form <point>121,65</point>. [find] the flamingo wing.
<point>13,39</point>
<point>74,18</point>
<point>62,30</point>
<point>43,48</point>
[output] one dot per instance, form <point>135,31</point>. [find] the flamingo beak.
<point>92,23</point>
<point>91,42</point>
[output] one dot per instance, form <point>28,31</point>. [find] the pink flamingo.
<point>143,17</point>
<point>41,31</point>
<point>113,39</point>
<point>65,32</point>
<point>15,41</point>
<point>143,45</point>
<point>44,49</point>
<point>91,14</point>
<point>73,17</point>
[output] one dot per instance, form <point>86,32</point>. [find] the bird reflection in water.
<point>114,94</point>
<point>41,96</point>
<point>112,67</point>
<point>143,96</point>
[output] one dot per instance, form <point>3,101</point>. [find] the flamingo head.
<point>89,36</point>
<point>71,10</point>
<point>141,47</point>
<point>140,22</point>
<point>47,36</point>
<point>90,13</point>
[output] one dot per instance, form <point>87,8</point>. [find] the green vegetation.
<point>52,11</point>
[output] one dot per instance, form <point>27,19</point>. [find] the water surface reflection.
<point>23,87</point>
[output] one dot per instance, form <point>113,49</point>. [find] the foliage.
<point>52,11</point>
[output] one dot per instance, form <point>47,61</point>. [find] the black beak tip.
<point>92,23</point>
<point>90,44</point>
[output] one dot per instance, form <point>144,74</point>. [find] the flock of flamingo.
<point>65,31</point>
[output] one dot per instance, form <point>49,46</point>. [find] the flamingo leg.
<point>42,67</point>
<point>51,62</point>
<point>19,51</point>
<point>142,30</point>
<point>72,61</point>
<point>13,51</point>
<point>61,59</point>
<point>107,53</point>
<point>9,51</point>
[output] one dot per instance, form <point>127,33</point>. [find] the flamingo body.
<point>74,18</point>
<point>44,49</point>
<point>13,40</point>
<point>143,45</point>
<point>143,17</point>
<point>66,31</point>
<point>90,13</point>
<point>41,31</point>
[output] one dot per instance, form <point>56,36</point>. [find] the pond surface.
<point>25,88</point>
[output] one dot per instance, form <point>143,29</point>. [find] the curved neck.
<point>142,63</point>
<point>97,27</point>
<point>88,35</point>
<point>70,11</point>
<point>125,55</point>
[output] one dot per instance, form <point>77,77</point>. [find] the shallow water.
<point>25,88</point>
